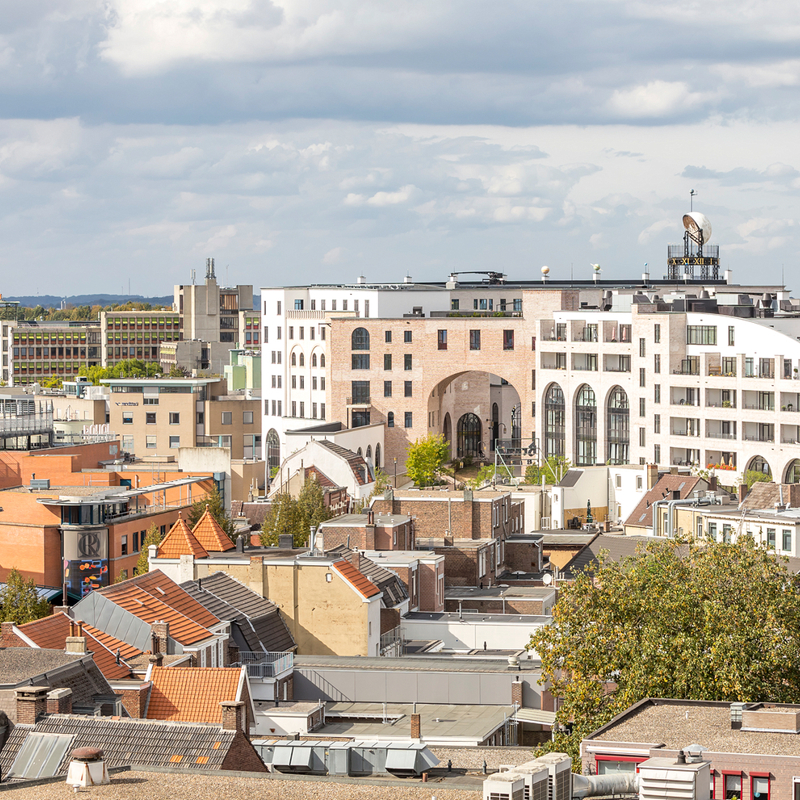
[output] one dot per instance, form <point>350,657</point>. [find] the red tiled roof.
<point>365,586</point>
<point>180,541</point>
<point>210,535</point>
<point>148,608</point>
<point>187,694</point>
<point>642,516</point>
<point>52,632</point>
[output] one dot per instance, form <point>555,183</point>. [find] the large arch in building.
<point>555,412</point>
<point>792,472</point>
<point>585,427</point>
<point>273,450</point>
<point>469,436</point>
<point>618,427</point>
<point>759,464</point>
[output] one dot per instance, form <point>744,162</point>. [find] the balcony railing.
<point>617,369</point>
<point>751,407</point>
<point>265,665</point>
<point>756,437</point>
<point>717,435</point>
<point>551,337</point>
<point>358,401</point>
<point>391,642</point>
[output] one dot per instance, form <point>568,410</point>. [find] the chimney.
<point>160,632</point>
<point>370,517</point>
<point>76,644</point>
<point>516,693</point>
<point>652,476</point>
<point>233,715</point>
<point>742,492</point>
<point>61,610</point>
<point>31,704</point>
<point>155,659</point>
<point>59,701</point>
<point>134,701</point>
<point>713,483</point>
<point>7,633</point>
<point>416,730</point>
<point>233,653</point>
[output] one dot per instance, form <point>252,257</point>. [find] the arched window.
<point>322,360</point>
<point>313,359</point>
<point>369,451</point>
<point>302,360</point>
<point>273,450</point>
<point>585,427</point>
<point>759,464</point>
<point>618,427</point>
<point>469,434</point>
<point>294,359</point>
<point>377,456</point>
<point>793,472</point>
<point>390,419</point>
<point>554,415</point>
<point>360,339</point>
<point>359,453</point>
<point>447,428</point>
<point>495,425</point>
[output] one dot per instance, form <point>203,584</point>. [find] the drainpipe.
<point>670,504</point>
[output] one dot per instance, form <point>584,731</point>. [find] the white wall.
<point>470,634</point>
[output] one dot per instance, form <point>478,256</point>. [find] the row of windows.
<point>487,304</point>
<point>360,390</point>
<point>299,305</point>
<point>226,418</point>
<point>53,338</point>
<point>125,322</point>
<point>359,340</point>
<point>408,419</point>
<point>301,359</point>
<point>298,409</point>
<point>301,382</point>
<point>49,352</point>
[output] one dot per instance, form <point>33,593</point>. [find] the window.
<point>642,403</point>
<point>731,336</point>
<point>441,339</point>
<point>759,786</point>
<point>279,332</point>
<point>294,381</point>
<point>322,360</point>
<point>355,307</point>
<point>642,347</point>
<point>313,411</point>
<point>656,363</point>
<point>657,393</point>
<point>474,340</point>
<point>227,417</point>
<point>657,333</point>
<point>387,337</point>
<point>508,340</point>
<point>657,423</point>
<point>302,409</point>
<point>127,417</point>
<point>733,786</point>
<point>333,305</point>
<point>302,360</point>
<point>313,359</point>
<point>771,538</point>
<point>642,376</point>
<point>554,421</point>
<point>390,419</point>
<point>642,439</point>
<point>409,420</point>
<point>294,359</point>
<point>585,427</point>
<point>360,339</point>
<point>123,545</point>
<point>174,418</point>
<point>407,388</point>
<point>454,305</point>
<point>360,391</point>
<point>127,442</point>
<point>322,384</point>
<point>322,410</point>
<point>407,336</point>
<point>638,482</point>
<point>174,442</point>
<point>291,331</point>
<point>279,307</point>
<point>787,541</point>
<point>150,442</point>
<point>298,305</point>
<point>387,361</point>
<point>314,382</point>
<point>360,361</point>
<point>247,417</point>
<point>712,531</point>
<point>701,334</point>
<point>407,361</point>
<point>150,418</point>
<point>387,388</point>
<point>657,453</point>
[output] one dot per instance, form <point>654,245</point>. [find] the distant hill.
<point>53,301</point>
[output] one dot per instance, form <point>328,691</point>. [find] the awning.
<point>536,715</point>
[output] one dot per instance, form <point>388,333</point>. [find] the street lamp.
<point>395,473</point>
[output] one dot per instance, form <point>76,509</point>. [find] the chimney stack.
<point>416,729</point>
<point>742,492</point>
<point>652,476</point>
<point>160,634</point>
<point>31,704</point>
<point>59,701</point>
<point>233,715</point>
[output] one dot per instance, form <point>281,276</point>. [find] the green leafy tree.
<point>153,537</point>
<point>754,476</point>
<point>552,469</point>
<point>425,458</point>
<point>697,620</point>
<point>485,474</point>
<point>311,504</point>
<point>19,601</point>
<point>212,501</point>
<point>284,518</point>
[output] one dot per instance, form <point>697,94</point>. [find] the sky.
<point>319,140</point>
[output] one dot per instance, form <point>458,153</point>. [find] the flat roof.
<point>77,495</point>
<point>453,616</point>
<point>499,592</point>
<point>160,381</point>
<point>436,662</point>
<point>436,721</point>
<point>359,520</point>
<point>459,544</point>
<point>394,557</point>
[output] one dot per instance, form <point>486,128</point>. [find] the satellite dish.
<point>545,270</point>
<point>695,223</point>
<point>595,267</point>
<point>547,579</point>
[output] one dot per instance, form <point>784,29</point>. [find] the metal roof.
<point>116,493</point>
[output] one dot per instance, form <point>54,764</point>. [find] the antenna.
<point>692,193</point>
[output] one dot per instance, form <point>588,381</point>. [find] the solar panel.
<point>40,756</point>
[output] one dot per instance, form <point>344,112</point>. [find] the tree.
<point>552,469</point>
<point>284,518</point>
<point>485,474</point>
<point>753,476</point>
<point>700,620</point>
<point>425,458</point>
<point>311,504</point>
<point>19,601</point>
<point>212,501</point>
<point>153,537</point>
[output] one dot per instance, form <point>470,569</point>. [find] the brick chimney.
<point>233,653</point>
<point>31,704</point>
<point>742,492</point>
<point>233,715</point>
<point>134,701</point>
<point>416,731</point>
<point>159,631</point>
<point>7,636</point>
<point>61,610</point>
<point>652,476</point>
<point>155,659</point>
<point>76,644</point>
<point>516,693</point>
<point>59,701</point>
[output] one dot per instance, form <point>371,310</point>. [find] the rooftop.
<point>494,619</point>
<point>359,520</point>
<point>432,663</point>
<point>21,664</point>
<point>498,592</point>
<point>188,694</point>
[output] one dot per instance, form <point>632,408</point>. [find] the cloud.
<point>334,256</point>
<point>654,99</point>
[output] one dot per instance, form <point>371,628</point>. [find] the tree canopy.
<point>153,537</point>
<point>701,621</point>
<point>552,469</point>
<point>426,457</point>
<point>130,368</point>
<point>212,501</point>
<point>19,601</point>
<point>295,516</point>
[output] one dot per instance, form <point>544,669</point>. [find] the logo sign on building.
<point>85,559</point>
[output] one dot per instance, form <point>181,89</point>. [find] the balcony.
<point>758,437</point>
<point>552,337</point>
<point>392,643</point>
<point>359,401</point>
<point>719,435</point>
<point>265,665</point>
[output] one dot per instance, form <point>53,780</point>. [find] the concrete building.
<point>136,334</point>
<point>157,416</point>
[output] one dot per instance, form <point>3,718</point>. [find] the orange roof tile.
<point>188,694</point>
<point>180,541</point>
<point>364,585</point>
<point>148,608</point>
<point>210,535</point>
<point>163,588</point>
<point>52,632</point>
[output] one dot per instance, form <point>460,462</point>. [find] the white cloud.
<point>654,99</point>
<point>334,256</point>
<point>774,74</point>
<point>402,195</point>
